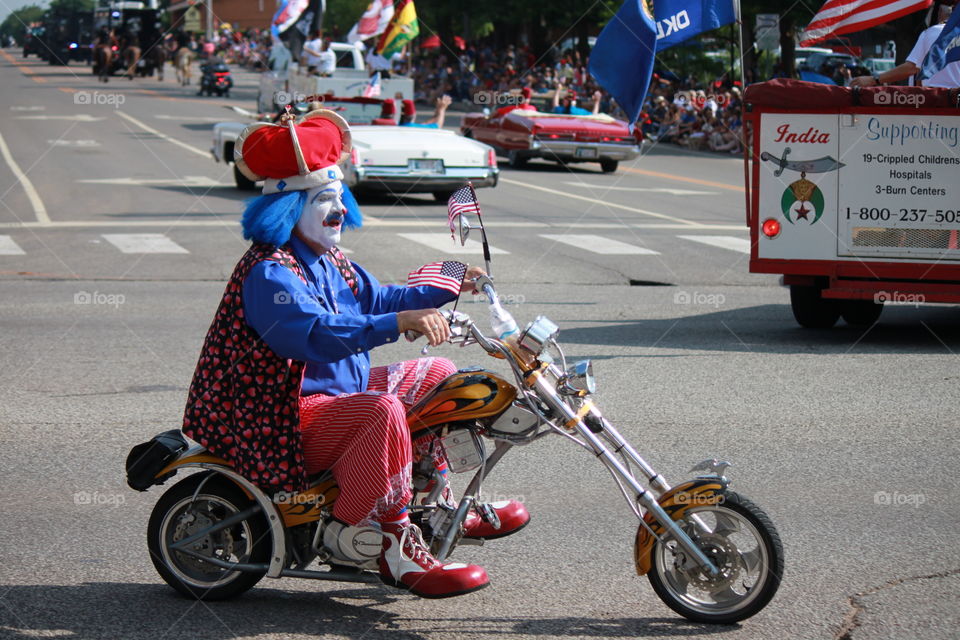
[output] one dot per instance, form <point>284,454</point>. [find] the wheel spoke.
<point>752,559</point>
<point>726,596</point>
<point>726,524</point>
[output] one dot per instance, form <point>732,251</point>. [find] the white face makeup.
<point>322,216</point>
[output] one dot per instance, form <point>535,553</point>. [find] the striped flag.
<point>444,275</point>
<point>372,90</point>
<point>463,200</point>
<point>403,28</point>
<point>837,17</point>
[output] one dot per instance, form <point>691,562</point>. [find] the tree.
<point>16,23</point>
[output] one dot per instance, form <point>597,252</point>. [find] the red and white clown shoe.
<point>406,563</point>
<point>487,520</point>
<point>511,516</point>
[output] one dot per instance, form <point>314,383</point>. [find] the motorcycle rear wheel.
<point>177,515</point>
<point>742,541</point>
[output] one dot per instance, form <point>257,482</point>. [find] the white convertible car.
<point>390,158</point>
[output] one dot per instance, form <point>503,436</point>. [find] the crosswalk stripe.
<point>442,242</point>
<point>10,248</point>
<point>143,243</point>
<point>601,245</point>
<point>724,242</point>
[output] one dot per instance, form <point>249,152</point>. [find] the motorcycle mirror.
<point>463,228</point>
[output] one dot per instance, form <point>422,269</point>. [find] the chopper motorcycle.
<point>709,553</point>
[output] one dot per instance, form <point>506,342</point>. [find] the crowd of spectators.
<point>676,111</point>
<point>480,75</point>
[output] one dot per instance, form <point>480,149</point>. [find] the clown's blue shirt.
<point>322,323</point>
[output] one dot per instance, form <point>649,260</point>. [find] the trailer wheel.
<point>811,310</point>
<point>860,313</point>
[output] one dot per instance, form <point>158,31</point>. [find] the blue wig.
<point>270,218</point>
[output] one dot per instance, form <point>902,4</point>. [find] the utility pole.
<point>209,4</point>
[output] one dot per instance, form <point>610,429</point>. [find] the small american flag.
<point>445,275</point>
<point>462,201</point>
<point>372,90</point>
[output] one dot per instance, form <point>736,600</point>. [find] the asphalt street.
<point>117,231</point>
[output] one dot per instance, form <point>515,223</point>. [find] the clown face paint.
<point>323,214</point>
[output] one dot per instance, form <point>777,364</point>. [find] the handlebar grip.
<point>412,335</point>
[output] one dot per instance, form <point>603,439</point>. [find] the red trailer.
<point>854,196</point>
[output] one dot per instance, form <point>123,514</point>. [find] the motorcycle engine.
<point>355,545</point>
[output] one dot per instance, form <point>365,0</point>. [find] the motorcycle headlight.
<point>538,334</point>
<point>578,379</point>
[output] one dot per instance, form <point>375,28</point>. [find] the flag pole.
<point>743,122</point>
<point>483,231</point>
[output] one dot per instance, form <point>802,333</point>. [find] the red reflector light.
<point>491,158</point>
<point>554,136</point>
<point>771,227</point>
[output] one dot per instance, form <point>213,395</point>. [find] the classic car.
<point>387,157</point>
<point>522,134</point>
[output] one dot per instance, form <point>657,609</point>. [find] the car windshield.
<point>352,112</point>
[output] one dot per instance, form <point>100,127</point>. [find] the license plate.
<point>585,152</point>
<point>423,165</point>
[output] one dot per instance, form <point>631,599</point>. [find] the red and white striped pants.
<point>364,440</point>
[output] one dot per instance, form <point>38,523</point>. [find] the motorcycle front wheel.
<point>741,541</point>
<point>179,514</point>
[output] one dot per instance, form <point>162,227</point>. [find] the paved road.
<point>817,423</point>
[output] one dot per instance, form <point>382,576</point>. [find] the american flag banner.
<point>463,200</point>
<point>837,17</point>
<point>372,90</point>
<point>444,275</point>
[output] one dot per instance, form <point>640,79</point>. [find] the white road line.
<point>73,143</point>
<point>602,204</point>
<point>436,222</point>
<point>673,192</point>
<point>143,243</point>
<point>724,242</point>
<point>186,181</point>
<point>706,226</point>
<point>28,108</point>
<point>601,245</point>
<point>188,147</point>
<point>10,248</point>
<point>82,117</point>
<point>442,242</point>
<point>38,209</point>
<point>190,118</point>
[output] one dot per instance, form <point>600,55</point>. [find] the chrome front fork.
<point>620,471</point>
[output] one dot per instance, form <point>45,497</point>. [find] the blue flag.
<point>679,20</point>
<point>945,49</point>
<point>622,58</point>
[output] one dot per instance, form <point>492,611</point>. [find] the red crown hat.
<point>409,109</point>
<point>388,109</point>
<point>526,92</point>
<point>294,156</point>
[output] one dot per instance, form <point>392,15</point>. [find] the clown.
<point>284,388</point>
